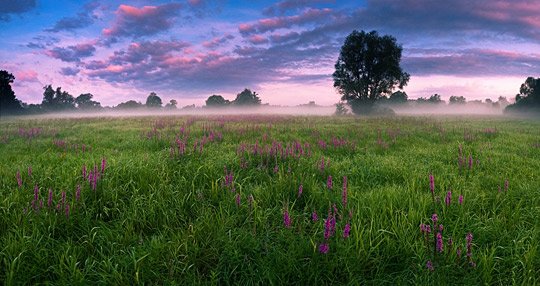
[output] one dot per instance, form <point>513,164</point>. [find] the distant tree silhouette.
<point>457,100</point>
<point>85,102</point>
<point>9,104</point>
<point>247,98</point>
<point>57,100</point>
<point>153,101</point>
<point>172,104</point>
<point>367,69</point>
<point>398,97</point>
<point>528,98</point>
<point>436,99</point>
<point>130,104</point>
<point>216,101</point>
<point>341,109</point>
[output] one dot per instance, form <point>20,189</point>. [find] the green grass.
<point>157,219</point>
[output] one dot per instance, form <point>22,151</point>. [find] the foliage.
<point>9,104</point>
<point>130,104</point>
<point>84,101</point>
<point>157,217</point>
<point>216,101</point>
<point>57,100</point>
<point>341,109</point>
<point>398,97</point>
<point>247,98</point>
<point>153,101</point>
<point>457,100</point>
<point>368,68</point>
<point>172,104</point>
<point>528,98</point>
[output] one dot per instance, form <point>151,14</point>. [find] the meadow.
<point>262,199</point>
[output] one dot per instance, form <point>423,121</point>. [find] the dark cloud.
<point>83,19</point>
<point>282,7</point>
<point>69,71</point>
<point>14,7</point>
<point>146,21</point>
<point>72,53</point>
<point>473,62</point>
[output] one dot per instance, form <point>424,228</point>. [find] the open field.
<point>262,200</point>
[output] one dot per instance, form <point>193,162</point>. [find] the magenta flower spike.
<point>237,200</point>
<point>300,190</point>
<point>36,193</point>
<point>347,230</point>
<point>50,198</point>
<point>67,210</point>
<point>429,265</point>
<point>506,185</point>
<point>469,238</point>
<point>103,165</point>
<point>29,171</point>
<point>19,179</point>
<point>78,193</point>
<point>439,243</point>
<point>448,199</point>
<point>329,182</point>
<point>434,218</point>
<point>432,184</point>
<point>324,247</point>
<point>286,219</point>
<point>460,199</point>
<point>314,216</point>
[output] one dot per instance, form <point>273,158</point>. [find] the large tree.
<point>367,69</point>
<point>57,100</point>
<point>247,98</point>
<point>457,100</point>
<point>528,97</point>
<point>9,104</point>
<point>153,100</point>
<point>216,101</point>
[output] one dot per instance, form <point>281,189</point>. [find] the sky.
<point>284,50</point>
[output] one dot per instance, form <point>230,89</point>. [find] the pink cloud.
<point>217,41</point>
<point>137,22</point>
<point>271,24</point>
<point>258,40</point>
<point>26,76</point>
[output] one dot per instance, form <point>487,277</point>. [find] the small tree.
<point>84,101</point>
<point>398,97</point>
<point>216,101</point>
<point>172,104</point>
<point>341,109</point>
<point>435,99</point>
<point>9,104</point>
<point>153,101</point>
<point>457,100</point>
<point>247,98</point>
<point>368,68</point>
<point>130,104</point>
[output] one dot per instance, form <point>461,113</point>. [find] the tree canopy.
<point>457,100</point>
<point>9,104</point>
<point>368,68</point>
<point>247,98</point>
<point>216,101</point>
<point>84,101</point>
<point>153,100</point>
<point>398,97</point>
<point>57,100</point>
<point>528,98</point>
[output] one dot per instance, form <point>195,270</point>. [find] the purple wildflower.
<point>103,165</point>
<point>429,265</point>
<point>441,227</point>
<point>63,200</point>
<point>66,211</point>
<point>324,247</point>
<point>36,193</point>
<point>435,218</point>
<point>29,171</point>
<point>19,179</point>
<point>314,216</point>
<point>470,162</point>
<point>329,182</point>
<point>450,242</point>
<point>84,172</point>
<point>469,239</point>
<point>448,199</point>
<point>300,190</point>
<point>237,200</point>
<point>506,185</point>
<point>460,199</point>
<point>50,198</point>
<point>439,242</point>
<point>276,169</point>
<point>458,252</point>
<point>286,219</point>
<point>347,230</point>
<point>432,184</point>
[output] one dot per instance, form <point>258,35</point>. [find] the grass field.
<point>233,200</point>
